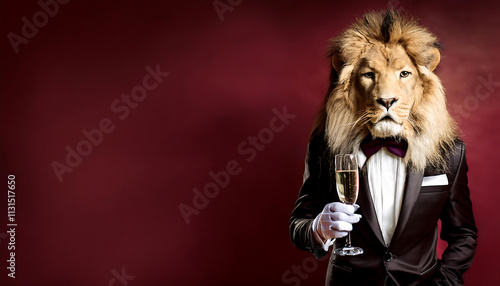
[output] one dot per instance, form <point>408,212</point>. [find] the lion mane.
<point>430,131</point>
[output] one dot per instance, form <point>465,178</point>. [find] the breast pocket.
<point>433,189</point>
<point>430,202</point>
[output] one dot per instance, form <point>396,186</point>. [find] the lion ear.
<point>337,62</point>
<point>436,58</point>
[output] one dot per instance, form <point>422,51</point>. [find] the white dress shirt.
<point>386,179</point>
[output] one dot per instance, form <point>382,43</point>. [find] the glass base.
<point>348,251</point>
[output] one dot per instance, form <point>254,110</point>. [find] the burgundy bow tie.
<point>371,146</point>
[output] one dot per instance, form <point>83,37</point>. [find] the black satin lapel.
<point>366,207</point>
<point>412,188</point>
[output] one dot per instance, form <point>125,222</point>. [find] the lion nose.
<point>387,102</point>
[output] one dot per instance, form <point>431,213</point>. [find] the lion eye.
<point>369,75</point>
<point>404,74</point>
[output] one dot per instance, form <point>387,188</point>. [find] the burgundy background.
<point>119,208</point>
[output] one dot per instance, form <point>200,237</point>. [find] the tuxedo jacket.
<point>411,257</point>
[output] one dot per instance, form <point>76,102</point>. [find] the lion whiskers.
<point>412,122</point>
<point>364,118</point>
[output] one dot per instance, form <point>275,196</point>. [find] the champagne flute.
<point>346,178</point>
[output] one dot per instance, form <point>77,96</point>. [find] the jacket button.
<point>387,257</point>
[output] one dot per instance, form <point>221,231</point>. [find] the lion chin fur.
<point>428,128</point>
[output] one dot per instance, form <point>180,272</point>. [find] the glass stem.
<point>348,240</point>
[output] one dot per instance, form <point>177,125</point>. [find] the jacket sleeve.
<point>457,226</point>
<point>314,195</point>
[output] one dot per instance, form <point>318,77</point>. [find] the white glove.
<point>336,220</point>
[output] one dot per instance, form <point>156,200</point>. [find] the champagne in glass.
<point>346,177</point>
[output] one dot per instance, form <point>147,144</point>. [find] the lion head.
<point>383,84</point>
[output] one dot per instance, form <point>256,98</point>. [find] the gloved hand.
<point>336,220</point>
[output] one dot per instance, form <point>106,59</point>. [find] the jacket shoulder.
<point>453,156</point>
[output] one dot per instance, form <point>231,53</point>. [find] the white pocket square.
<point>438,180</point>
